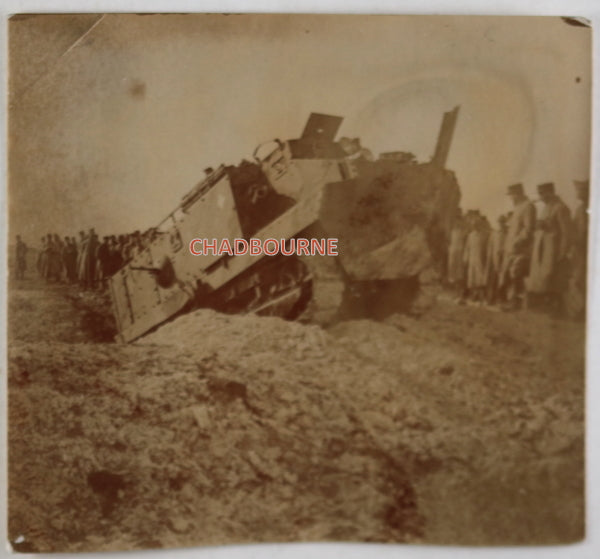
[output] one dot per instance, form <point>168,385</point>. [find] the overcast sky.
<point>113,118</point>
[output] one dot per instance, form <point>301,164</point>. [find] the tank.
<point>391,217</point>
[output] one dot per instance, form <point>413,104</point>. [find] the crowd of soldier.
<point>87,261</point>
<point>527,257</point>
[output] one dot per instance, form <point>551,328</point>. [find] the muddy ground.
<point>458,425</point>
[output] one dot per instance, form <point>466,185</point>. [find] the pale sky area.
<point>113,118</point>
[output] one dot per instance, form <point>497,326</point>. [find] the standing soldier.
<point>116,260</point>
<point>456,268</point>
<point>91,259</point>
<point>493,263</point>
<point>549,266</point>
<point>70,259</point>
<point>59,265</point>
<point>21,258</point>
<point>576,295</point>
<point>517,249</point>
<point>65,259</point>
<point>127,247</point>
<point>76,251</point>
<point>102,264</point>
<point>53,260</point>
<point>81,258</point>
<point>81,247</point>
<point>42,260</point>
<point>474,256</point>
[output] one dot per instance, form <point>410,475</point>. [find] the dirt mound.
<point>227,433</point>
<point>221,429</point>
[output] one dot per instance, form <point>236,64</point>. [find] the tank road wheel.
<point>280,289</point>
<point>272,287</point>
<point>326,289</point>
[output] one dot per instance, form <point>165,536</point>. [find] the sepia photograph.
<point>296,278</point>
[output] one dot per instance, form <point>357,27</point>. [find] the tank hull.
<point>389,216</point>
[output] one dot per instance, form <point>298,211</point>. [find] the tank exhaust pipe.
<point>445,138</point>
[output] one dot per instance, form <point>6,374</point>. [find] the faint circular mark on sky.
<point>493,139</point>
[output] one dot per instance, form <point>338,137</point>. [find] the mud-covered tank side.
<point>393,220</point>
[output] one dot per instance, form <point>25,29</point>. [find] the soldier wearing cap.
<point>549,265</point>
<point>517,247</point>
<point>21,258</point>
<point>494,257</point>
<point>474,256</point>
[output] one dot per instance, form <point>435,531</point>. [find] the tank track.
<point>326,288</point>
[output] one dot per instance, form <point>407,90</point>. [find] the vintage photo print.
<point>296,278</point>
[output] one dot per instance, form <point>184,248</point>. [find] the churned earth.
<point>454,425</point>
